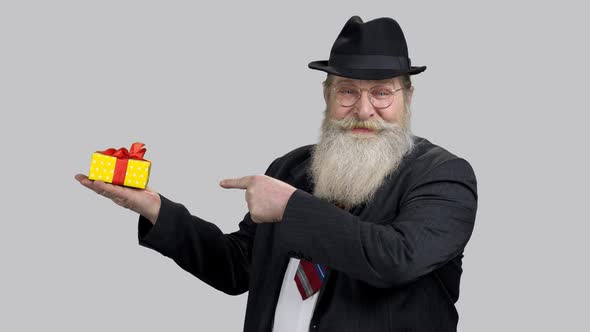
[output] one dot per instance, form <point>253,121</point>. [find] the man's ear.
<point>409,95</point>
<point>326,95</point>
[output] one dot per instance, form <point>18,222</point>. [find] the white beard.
<point>348,168</point>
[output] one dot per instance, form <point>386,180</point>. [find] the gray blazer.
<point>393,264</point>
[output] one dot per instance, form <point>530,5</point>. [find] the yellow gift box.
<point>121,167</point>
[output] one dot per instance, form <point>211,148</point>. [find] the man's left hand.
<point>267,197</point>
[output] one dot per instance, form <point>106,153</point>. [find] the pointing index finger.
<point>239,183</point>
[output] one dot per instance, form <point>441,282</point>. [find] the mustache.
<point>352,123</point>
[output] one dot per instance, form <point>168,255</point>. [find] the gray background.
<point>504,89</point>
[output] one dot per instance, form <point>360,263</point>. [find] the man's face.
<point>349,164</point>
<point>363,111</point>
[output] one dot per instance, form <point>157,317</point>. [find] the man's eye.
<point>346,91</point>
<point>382,93</point>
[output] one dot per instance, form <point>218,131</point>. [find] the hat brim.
<point>364,74</point>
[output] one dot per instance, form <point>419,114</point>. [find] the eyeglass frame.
<point>370,95</point>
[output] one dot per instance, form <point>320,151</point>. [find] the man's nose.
<point>365,109</point>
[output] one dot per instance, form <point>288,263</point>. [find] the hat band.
<point>353,61</point>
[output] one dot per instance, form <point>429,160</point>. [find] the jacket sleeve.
<point>434,223</point>
<point>199,247</point>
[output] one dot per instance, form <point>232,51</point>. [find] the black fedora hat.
<point>373,50</point>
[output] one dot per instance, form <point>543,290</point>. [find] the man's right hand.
<point>145,202</point>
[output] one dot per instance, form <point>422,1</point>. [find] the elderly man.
<point>363,231</point>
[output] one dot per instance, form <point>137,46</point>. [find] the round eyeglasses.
<point>380,96</point>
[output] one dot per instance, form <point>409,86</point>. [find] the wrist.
<point>153,209</point>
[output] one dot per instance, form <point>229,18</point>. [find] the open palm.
<point>143,201</point>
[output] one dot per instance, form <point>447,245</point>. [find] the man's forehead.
<point>339,79</point>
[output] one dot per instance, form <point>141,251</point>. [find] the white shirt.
<point>292,313</point>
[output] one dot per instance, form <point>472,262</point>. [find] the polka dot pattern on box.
<point>137,173</point>
<point>102,167</point>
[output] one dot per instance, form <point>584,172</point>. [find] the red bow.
<point>136,152</point>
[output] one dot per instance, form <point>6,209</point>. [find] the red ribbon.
<point>136,152</point>
<point>123,155</point>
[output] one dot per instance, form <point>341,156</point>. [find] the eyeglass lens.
<point>379,96</point>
